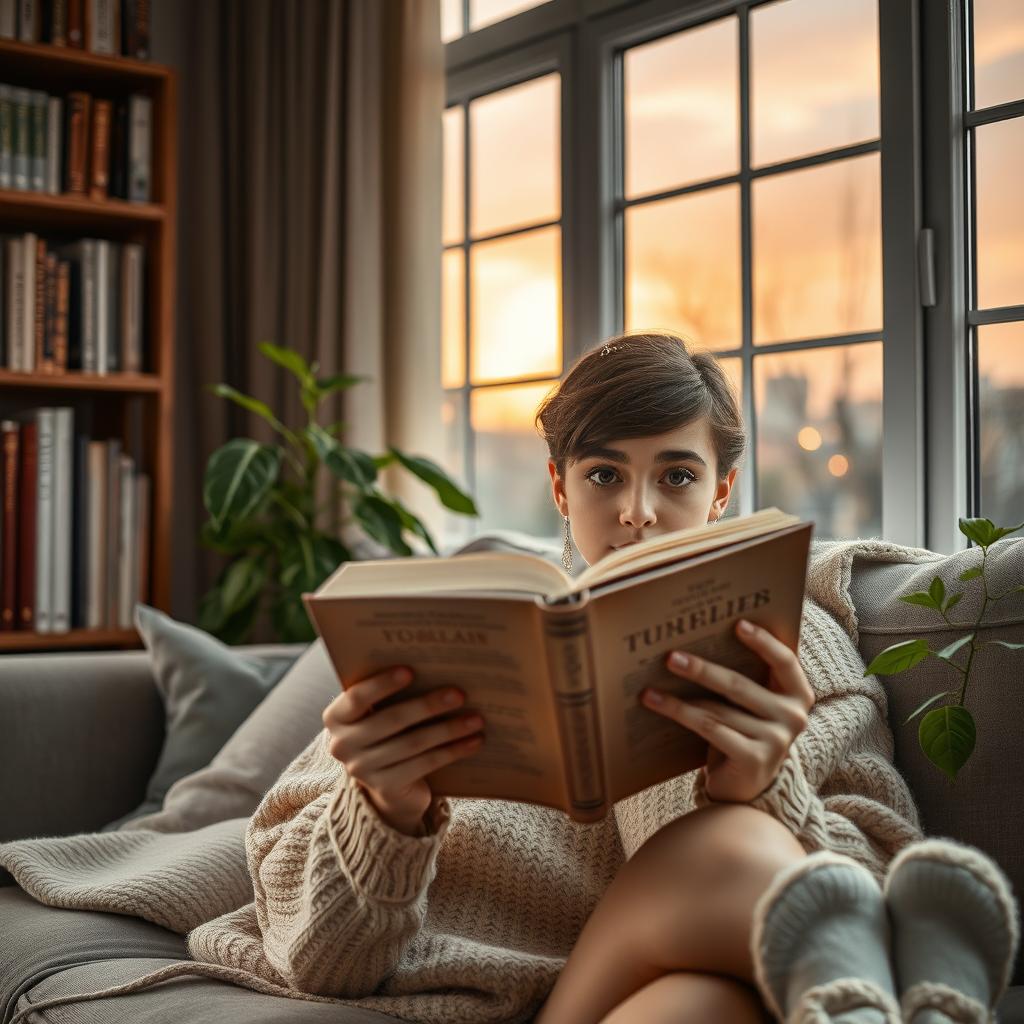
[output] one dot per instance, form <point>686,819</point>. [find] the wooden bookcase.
<point>136,407</point>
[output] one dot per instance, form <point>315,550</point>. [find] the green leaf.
<point>953,601</point>
<point>211,610</point>
<point>349,464</point>
<point>921,598</point>
<point>290,619</point>
<point>971,574</point>
<point>937,591</point>
<point>1002,531</point>
<point>981,531</point>
<point>947,652</point>
<point>254,405</point>
<point>930,700</point>
<point>289,359</point>
<point>380,461</point>
<point>415,525</point>
<point>238,477</point>
<point>339,382</point>
<point>381,522</point>
<point>236,629</point>
<point>1007,644</point>
<point>947,737</point>
<point>235,538</point>
<point>431,473</point>
<point>243,583</point>
<point>898,658</point>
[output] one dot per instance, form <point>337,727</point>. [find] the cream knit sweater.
<point>473,921</point>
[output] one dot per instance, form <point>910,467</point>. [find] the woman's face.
<point>629,491</point>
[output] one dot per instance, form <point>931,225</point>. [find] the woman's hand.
<point>748,739</point>
<point>388,751</point>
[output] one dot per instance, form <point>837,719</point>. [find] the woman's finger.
<point>784,663</point>
<point>734,745</point>
<point>737,688</point>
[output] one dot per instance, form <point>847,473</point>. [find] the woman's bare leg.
<point>685,998</point>
<point>683,903</point>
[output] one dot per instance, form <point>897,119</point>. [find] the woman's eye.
<point>590,477</point>
<point>686,475</point>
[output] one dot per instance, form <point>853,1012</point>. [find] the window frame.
<point>926,395</point>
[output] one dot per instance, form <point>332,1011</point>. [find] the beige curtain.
<point>310,192</point>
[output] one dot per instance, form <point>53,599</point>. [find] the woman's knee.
<point>682,997</point>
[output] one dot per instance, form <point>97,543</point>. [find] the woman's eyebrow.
<point>669,455</point>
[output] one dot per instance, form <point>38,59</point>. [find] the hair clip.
<point>609,348</point>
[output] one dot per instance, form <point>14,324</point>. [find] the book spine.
<point>11,435</point>
<point>131,306</point>
<point>55,144</point>
<point>128,540</point>
<point>60,350</point>
<point>39,309</point>
<point>140,119</point>
<point>77,142</point>
<point>6,137</point>
<point>60,591</point>
<point>140,18</point>
<point>102,306</point>
<point>39,112</point>
<point>21,140</point>
<point>89,337</point>
<point>80,533</point>
<point>111,610</point>
<point>115,325</point>
<point>27,525</point>
<point>49,353</point>
<point>44,520</point>
<point>101,34</point>
<point>8,19</point>
<point>28,21</point>
<point>59,23</point>
<point>29,252</point>
<point>76,23</point>
<point>570,669</point>
<point>99,177</point>
<point>142,512</point>
<point>119,150</point>
<point>96,572</point>
<point>14,270</point>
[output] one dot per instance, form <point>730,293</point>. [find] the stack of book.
<point>110,27</point>
<point>75,527</point>
<point>77,144</point>
<point>74,306</point>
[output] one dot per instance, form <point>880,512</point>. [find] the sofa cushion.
<point>985,806</point>
<point>208,690</point>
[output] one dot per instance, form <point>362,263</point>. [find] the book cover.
<point>63,479</point>
<point>96,572</point>
<point>76,142</point>
<point>30,256</point>
<point>27,476</point>
<point>555,666</point>
<point>10,445</point>
<point>140,127</point>
<point>99,161</point>
<point>44,520</point>
<point>22,139</point>
<point>38,112</point>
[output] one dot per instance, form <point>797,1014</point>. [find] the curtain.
<point>310,216</point>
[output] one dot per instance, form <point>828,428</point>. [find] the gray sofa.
<point>92,727</point>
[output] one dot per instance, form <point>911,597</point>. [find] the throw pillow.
<point>207,689</point>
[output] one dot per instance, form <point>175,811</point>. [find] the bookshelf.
<point>135,408</point>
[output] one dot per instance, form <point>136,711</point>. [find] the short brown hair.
<point>650,384</point>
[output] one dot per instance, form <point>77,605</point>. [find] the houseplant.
<point>261,501</point>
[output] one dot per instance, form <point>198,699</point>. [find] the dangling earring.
<point>567,550</point>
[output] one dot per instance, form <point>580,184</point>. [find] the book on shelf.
<point>75,530</point>
<point>76,143</point>
<point>555,665</point>
<point>106,27</point>
<point>72,305</point>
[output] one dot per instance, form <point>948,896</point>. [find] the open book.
<point>555,666</point>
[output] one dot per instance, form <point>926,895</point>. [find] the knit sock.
<point>820,944</point>
<point>955,932</point>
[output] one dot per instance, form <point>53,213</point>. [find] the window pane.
<point>514,156</point>
<point>813,77</point>
<point>454,213</point>
<point>818,251</point>
<point>682,108</point>
<point>451,20</point>
<point>453,318</point>
<point>516,306</point>
<point>1000,213</point>
<point>998,52</point>
<point>734,371</point>
<point>1001,409</point>
<point>455,529</point>
<point>819,437</point>
<point>483,12</point>
<point>513,489</point>
<point>683,267</point>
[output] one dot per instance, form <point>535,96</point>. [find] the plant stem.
<point>977,623</point>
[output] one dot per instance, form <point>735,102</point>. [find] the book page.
<point>634,625</point>
<point>492,649</point>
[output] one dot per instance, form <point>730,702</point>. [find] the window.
<point>773,180</point>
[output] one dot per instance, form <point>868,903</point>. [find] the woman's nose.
<point>637,513</point>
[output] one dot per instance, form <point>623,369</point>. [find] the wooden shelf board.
<point>134,383</point>
<point>72,63</point>
<point>71,210</point>
<point>76,639</point>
